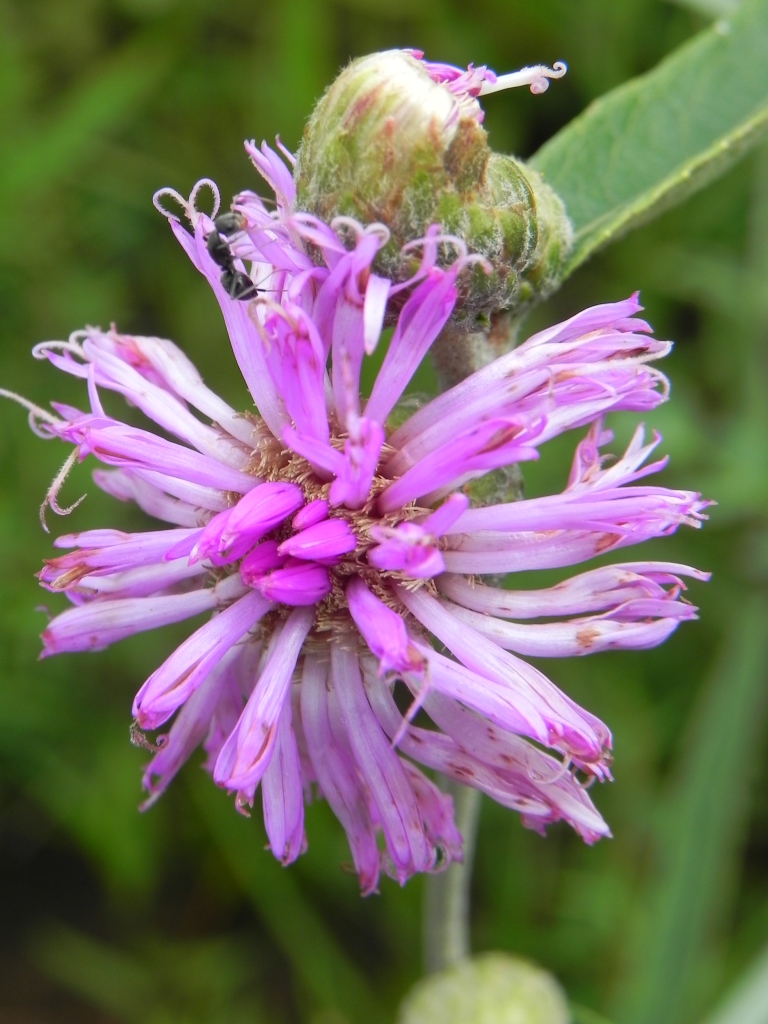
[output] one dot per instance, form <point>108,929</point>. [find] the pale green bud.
<point>390,143</point>
<point>492,988</point>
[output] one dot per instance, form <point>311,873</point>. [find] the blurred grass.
<point>318,963</point>
<point>180,915</point>
<point>747,1002</point>
<point>701,829</point>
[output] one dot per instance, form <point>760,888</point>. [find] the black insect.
<point>234,282</point>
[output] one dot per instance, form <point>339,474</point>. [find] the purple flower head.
<point>338,552</point>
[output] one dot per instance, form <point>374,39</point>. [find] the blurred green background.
<point>179,915</point>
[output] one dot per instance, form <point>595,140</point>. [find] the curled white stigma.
<point>536,77</point>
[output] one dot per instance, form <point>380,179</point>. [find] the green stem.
<point>446,909</point>
<point>459,352</point>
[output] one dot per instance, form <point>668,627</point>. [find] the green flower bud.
<point>398,140</point>
<point>492,988</point>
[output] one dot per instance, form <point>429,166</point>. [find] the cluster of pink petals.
<point>330,587</point>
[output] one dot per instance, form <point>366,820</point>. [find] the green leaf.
<point>650,143</point>
<point>318,962</point>
<point>704,826</point>
<point>747,1002</point>
<point>714,8</point>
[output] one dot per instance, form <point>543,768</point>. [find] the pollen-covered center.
<point>287,539</point>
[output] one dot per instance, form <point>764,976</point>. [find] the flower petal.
<point>282,794</point>
<point>247,752</point>
<point>181,674</point>
<point>337,775</point>
<point>383,630</point>
<point>381,770</point>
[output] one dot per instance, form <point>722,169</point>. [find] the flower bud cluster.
<point>400,141</point>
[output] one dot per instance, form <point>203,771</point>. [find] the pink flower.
<point>340,557</point>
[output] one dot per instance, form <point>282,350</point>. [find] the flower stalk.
<point>446,920</point>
